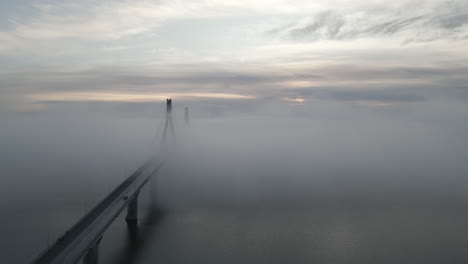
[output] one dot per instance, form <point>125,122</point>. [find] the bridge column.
<point>132,211</point>
<point>92,256</point>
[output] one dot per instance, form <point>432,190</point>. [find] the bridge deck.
<point>77,240</point>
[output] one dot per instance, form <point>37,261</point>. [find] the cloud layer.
<point>325,50</point>
<point>445,20</point>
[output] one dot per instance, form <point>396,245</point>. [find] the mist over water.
<point>247,181</point>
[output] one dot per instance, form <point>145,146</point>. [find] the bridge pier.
<point>92,256</point>
<point>132,211</point>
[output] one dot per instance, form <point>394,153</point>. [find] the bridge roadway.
<point>82,239</point>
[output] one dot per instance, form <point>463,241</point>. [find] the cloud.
<point>55,21</point>
<point>327,25</point>
<point>177,32</point>
<point>444,20</point>
<point>90,21</point>
<point>339,83</point>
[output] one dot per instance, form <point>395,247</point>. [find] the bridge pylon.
<point>168,124</point>
<point>132,211</point>
<point>92,255</point>
<point>186,116</point>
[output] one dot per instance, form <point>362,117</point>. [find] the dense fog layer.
<point>238,151</point>
<point>234,155</point>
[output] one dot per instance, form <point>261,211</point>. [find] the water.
<point>339,232</point>
<point>349,234</point>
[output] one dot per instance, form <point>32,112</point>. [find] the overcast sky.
<point>368,52</point>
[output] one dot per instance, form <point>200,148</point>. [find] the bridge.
<point>81,241</point>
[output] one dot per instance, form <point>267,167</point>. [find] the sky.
<point>376,54</point>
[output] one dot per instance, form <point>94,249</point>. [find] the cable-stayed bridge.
<point>81,241</point>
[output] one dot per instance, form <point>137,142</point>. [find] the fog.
<point>292,159</point>
<point>241,157</point>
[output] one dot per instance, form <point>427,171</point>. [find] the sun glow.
<point>294,100</point>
